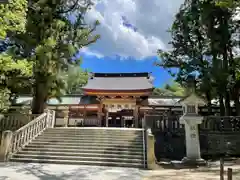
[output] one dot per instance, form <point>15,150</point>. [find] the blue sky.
<point>108,64</point>
<point>131,33</point>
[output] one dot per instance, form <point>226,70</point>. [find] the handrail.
<point>27,133</point>
<point>31,123</point>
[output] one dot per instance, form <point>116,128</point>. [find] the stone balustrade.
<point>14,141</point>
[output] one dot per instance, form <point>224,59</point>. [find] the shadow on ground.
<point>172,171</point>
<point>66,172</point>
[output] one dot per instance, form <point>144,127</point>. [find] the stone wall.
<point>219,143</point>
<point>170,145</point>
<point>213,144</point>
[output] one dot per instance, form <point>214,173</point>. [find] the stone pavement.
<point>212,172</point>
<point>20,171</point>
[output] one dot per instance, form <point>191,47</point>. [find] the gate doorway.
<point>121,118</point>
<point>114,121</point>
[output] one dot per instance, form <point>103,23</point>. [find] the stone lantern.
<point>191,119</point>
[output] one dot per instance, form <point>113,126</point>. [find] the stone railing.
<point>14,141</point>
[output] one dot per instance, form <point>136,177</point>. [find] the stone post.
<point>191,120</point>
<point>193,153</point>
<point>150,145</point>
<point>5,145</point>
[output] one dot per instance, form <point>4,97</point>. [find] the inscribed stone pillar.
<point>193,153</point>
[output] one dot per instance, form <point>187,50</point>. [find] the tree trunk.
<point>236,101</point>
<point>227,104</point>
<point>40,97</point>
<point>222,107</point>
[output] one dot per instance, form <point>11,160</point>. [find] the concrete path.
<point>20,171</point>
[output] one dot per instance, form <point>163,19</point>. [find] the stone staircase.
<point>86,146</point>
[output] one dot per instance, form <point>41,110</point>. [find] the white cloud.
<point>151,18</point>
<point>88,52</point>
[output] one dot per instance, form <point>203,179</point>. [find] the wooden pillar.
<point>136,110</point>
<point>84,114</point>
<point>107,119</point>
<point>100,113</point>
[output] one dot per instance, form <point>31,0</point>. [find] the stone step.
<point>102,139</point>
<point>79,158</point>
<point>107,148</point>
<point>93,144</point>
<point>93,134</point>
<point>91,163</point>
<point>122,138</point>
<point>98,129</point>
<point>88,151</point>
<point>82,154</point>
<point>86,142</point>
<point>85,146</point>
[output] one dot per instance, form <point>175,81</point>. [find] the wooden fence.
<point>14,121</point>
<point>159,122</point>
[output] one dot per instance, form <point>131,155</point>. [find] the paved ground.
<point>19,171</point>
<point>212,172</point>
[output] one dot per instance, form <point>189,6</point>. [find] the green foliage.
<point>12,17</point>
<point>75,79</point>
<point>14,73</point>
<point>14,78</point>
<point>51,41</point>
<point>228,3</point>
<point>173,89</point>
<point>203,41</point>
<point>4,99</point>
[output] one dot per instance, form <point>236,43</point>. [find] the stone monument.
<point>191,120</point>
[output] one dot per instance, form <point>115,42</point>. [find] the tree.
<point>12,17</point>
<point>14,73</point>
<point>75,79</point>
<point>202,41</point>
<point>51,41</point>
<point>173,89</point>
<point>228,3</point>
